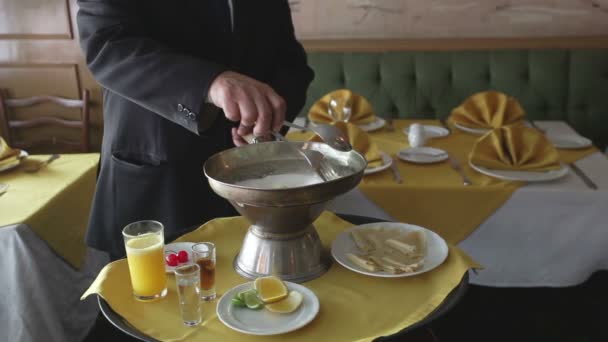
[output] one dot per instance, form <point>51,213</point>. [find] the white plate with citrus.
<point>426,249</point>
<point>243,309</point>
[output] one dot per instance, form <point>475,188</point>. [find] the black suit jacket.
<point>155,60</point>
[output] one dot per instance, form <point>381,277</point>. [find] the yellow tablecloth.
<point>55,201</point>
<point>354,307</point>
<point>433,195</point>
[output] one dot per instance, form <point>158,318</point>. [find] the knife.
<point>583,176</point>
<point>396,174</point>
<point>444,123</point>
<point>455,164</point>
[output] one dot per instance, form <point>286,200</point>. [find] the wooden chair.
<point>9,125</point>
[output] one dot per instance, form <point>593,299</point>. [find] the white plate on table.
<point>374,125</point>
<point>430,131</point>
<point>14,164</point>
<point>527,176</point>
<point>569,141</point>
<point>437,249</point>
<point>422,155</point>
<point>478,131</point>
<point>386,163</point>
<point>368,127</point>
<point>175,248</point>
<point>264,322</point>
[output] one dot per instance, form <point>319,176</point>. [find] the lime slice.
<point>237,302</point>
<point>241,295</point>
<point>251,300</point>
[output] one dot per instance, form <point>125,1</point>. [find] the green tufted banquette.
<point>570,85</point>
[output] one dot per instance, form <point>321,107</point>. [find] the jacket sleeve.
<point>124,60</point>
<point>292,75</point>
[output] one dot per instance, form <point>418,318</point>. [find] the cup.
<point>203,255</point>
<point>416,135</point>
<point>187,280</point>
<point>144,242</point>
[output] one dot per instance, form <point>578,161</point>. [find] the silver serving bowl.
<point>282,240</point>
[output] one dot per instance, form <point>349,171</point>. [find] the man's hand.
<point>254,104</point>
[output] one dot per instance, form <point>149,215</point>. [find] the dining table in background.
<point>45,263</point>
<point>542,234</point>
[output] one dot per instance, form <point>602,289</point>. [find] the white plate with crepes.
<point>387,161</point>
<point>15,163</point>
<point>434,254</point>
<point>374,125</point>
<point>264,322</point>
<point>569,141</point>
<point>478,131</point>
<point>430,131</point>
<point>524,176</point>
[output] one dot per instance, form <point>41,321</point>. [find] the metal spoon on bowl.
<point>329,134</point>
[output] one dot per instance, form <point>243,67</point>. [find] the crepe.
<point>388,249</point>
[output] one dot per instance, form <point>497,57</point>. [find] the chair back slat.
<point>46,120</point>
<point>36,100</point>
<point>9,125</point>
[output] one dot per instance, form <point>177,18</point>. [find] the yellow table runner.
<point>433,195</point>
<point>55,201</point>
<point>348,300</point>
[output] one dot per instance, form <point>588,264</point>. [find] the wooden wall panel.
<point>35,19</point>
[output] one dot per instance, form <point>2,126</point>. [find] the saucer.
<point>175,247</point>
<point>422,155</point>
<point>569,141</point>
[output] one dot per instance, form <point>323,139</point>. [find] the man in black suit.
<point>182,80</point>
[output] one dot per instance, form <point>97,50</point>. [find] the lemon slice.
<point>287,305</point>
<point>270,289</point>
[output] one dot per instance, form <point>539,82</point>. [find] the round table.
<point>451,300</point>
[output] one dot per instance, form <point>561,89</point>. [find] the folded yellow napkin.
<point>361,110</point>
<point>515,147</point>
<point>8,155</point>
<point>360,141</point>
<point>488,109</point>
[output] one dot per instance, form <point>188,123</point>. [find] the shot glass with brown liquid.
<point>204,256</point>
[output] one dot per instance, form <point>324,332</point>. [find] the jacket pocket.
<point>135,160</point>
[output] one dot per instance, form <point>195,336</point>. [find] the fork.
<point>390,125</point>
<point>455,164</point>
<point>43,164</point>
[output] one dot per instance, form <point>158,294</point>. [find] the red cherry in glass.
<point>172,259</point>
<point>182,256</point>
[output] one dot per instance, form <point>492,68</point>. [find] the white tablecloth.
<point>40,298</point>
<point>547,234</point>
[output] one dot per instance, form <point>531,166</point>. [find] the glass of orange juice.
<point>144,242</point>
